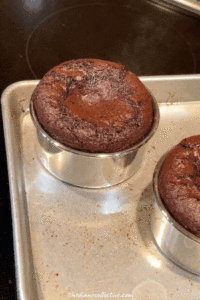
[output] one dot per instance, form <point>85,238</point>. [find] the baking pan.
<point>90,170</point>
<point>75,242</point>
<point>177,243</point>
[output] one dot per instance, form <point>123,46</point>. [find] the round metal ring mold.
<point>90,170</point>
<point>178,244</point>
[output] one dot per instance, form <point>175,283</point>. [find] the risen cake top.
<point>179,183</point>
<point>93,105</point>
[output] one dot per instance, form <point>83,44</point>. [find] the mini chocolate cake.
<point>179,183</point>
<point>93,106</point>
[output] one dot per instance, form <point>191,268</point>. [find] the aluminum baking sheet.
<point>74,243</point>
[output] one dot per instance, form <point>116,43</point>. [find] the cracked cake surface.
<point>179,183</point>
<point>93,106</point>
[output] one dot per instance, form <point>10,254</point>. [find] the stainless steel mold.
<point>178,244</point>
<point>89,170</point>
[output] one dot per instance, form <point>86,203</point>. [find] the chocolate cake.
<point>93,106</point>
<point>179,183</point>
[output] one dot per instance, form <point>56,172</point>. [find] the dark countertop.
<point>37,35</point>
